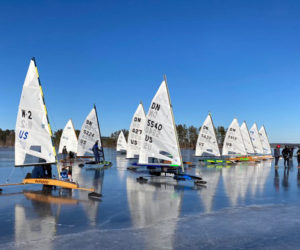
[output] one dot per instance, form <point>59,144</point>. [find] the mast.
<point>165,79</point>
<point>99,132</point>
<point>50,130</point>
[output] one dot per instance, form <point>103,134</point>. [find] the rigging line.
<point>11,173</point>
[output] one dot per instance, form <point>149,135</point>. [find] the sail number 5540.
<point>154,124</point>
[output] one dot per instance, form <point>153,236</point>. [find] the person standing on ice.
<point>96,151</point>
<point>277,155</point>
<point>64,152</point>
<point>286,155</point>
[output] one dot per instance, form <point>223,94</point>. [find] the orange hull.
<point>55,182</point>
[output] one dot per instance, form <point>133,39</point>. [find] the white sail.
<point>207,144</point>
<point>265,141</point>
<point>89,134</point>
<point>33,131</point>
<point>160,142</point>
<point>121,143</point>
<point>233,143</point>
<point>247,139</point>
<point>254,135</point>
<point>135,132</point>
<point>68,138</point>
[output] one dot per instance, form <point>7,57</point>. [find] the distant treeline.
<point>7,138</point>
<point>187,136</point>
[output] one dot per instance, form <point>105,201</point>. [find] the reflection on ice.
<point>154,204</point>
<point>238,206</point>
<point>212,176</point>
<point>92,178</point>
<point>260,175</point>
<point>121,165</point>
<point>243,178</point>
<point>35,223</point>
<point>285,179</point>
<point>43,197</point>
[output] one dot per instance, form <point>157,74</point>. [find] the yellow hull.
<point>54,182</point>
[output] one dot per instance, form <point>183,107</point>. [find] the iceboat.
<point>267,152</point>
<point>248,143</point>
<point>33,141</point>
<point>160,151</point>
<point>69,140</point>
<point>233,146</point>
<point>207,148</point>
<point>237,145</point>
<point>256,139</point>
<point>89,134</point>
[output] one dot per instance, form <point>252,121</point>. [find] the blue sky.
<point>231,58</point>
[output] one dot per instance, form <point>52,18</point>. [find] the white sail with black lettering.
<point>265,141</point>
<point>89,134</point>
<point>247,139</point>
<point>233,143</point>
<point>254,135</point>
<point>68,138</point>
<point>160,141</point>
<point>207,144</point>
<point>135,132</point>
<point>121,142</point>
<point>33,141</point>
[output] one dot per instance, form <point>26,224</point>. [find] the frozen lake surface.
<point>243,206</point>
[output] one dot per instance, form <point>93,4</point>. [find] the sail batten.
<point>233,143</point>
<point>207,144</point>
<point>33,130</point>
<point>160,142</point>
